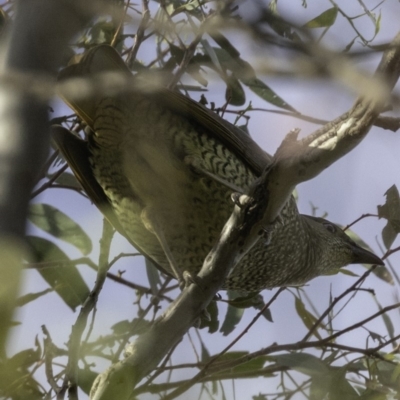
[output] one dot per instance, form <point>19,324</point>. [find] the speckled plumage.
<point>141,152</point>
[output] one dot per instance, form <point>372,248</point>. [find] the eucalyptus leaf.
<point>59,225</point>
<point>323,20</point>
<point>391,212</point>
<point>302,362</point>
<point>65,280</point>
<point>232,318</point>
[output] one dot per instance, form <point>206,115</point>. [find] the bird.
<point>162,167</point>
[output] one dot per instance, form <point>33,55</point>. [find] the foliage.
<point>193,46</point>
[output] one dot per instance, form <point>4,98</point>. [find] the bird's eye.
<point>330,228</point>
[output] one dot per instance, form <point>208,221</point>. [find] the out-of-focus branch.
<point>37,41</point>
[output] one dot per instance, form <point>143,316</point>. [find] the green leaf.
<point>234,93</point>
<point>86,378</point>
<point>59,225</point>
<point>253,365</point>
<point>266,93</point>
<point>191,7</point>
<point>245,73</point>
<point>247,301</point>
<point>205,354</point>
<point>307,318</point>
<point>122,327</point>
<point>21,301</point>
<point>232,318</point>
<point>302,362</point>
<point>326,19</point>
<point>345,271</point>
<point>378,23</point>
<point>386,319</point>
<point>388,235</point>
<point>391,212</point>
<point>65,280</point>
<point>67,179</point>
<point>340,388</point>
<point>153,275</point>
<point>101,32</point>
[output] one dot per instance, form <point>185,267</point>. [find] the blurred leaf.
<point>266,313</point>
<point>232,318</point>
<point>280,26</point>
<point>391,212</point>
<point>247,301</point>
<point>251,300</point>
<point>234,93</point>
<point>4,19</point>
<point>340,388</point>
<point>302,362</point>
<point>378,23</point>
<point>101,32</point>
<point>244,128</point>
<point>65,280</point>
<point>67,179</point>
<point>245,73</point>
<point>153,275</point>
<point>373,394</point>
<point>24,359</point>
<point>192,7</point>
<point>345,271</point>
<point>205,354</point>
<point>135,327</point>
<point>350,45</point>
<point>388,235</point>
<point>16,380</point>
<point>325,19</point>
<point>58,224</point>
<point>121,327</point>
<point>208,49</point>
<point>386,319</point>
<point>253,365</point>
<point>307,318</point>
<point>266,93</point>
<point>21,301</point>
<point>387,372</point>
<point>85,379</point>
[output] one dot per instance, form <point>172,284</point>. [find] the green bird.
<point>162,168</point>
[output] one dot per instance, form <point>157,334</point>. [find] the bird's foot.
<point>188,279</point>
<point>241,200</point>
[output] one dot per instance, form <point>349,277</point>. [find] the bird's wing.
<point>104,58</point>
<point>76,153</point>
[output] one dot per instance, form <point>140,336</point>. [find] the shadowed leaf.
<point>64,279</point>
<point>59,225</point>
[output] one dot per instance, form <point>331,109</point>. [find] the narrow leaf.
<point>65,280</point>
<point>307,318</point>
<point>302,362</point>
<point>59,225</point>
<point>327,18</point>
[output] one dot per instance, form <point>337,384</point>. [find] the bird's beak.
<point>362,256</point>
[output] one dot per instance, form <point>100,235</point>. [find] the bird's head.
<point>333,249</point>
